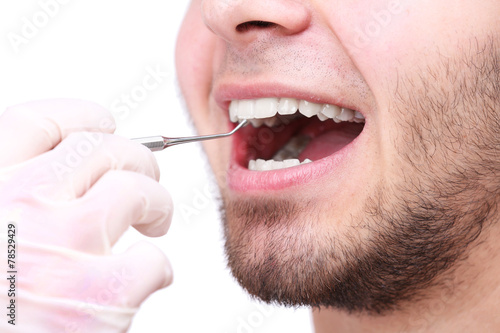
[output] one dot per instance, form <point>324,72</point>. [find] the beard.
<point>412,232</point>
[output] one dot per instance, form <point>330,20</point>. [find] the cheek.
<point>194,52</point>
<point>387,38</point>
<point>376,35</point>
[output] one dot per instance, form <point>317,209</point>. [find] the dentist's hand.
<point>69,189</point>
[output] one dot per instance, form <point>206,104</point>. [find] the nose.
<point>243,20</point>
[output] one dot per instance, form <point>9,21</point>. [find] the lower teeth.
<point>286,157</point>
<point>262,165</point>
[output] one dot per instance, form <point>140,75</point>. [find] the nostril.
<point>254,25</point>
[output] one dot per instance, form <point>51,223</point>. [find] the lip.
<point>241,180</point>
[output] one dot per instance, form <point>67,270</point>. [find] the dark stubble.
<point>418,229</point>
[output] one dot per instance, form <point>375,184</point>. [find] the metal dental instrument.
<point>158,143</point>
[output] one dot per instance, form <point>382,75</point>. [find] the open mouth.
<point>288,132</point>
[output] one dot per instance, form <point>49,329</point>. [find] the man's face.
<point>405,150</point>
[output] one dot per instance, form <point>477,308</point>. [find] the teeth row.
<point>262,165</point>
<point>264,110</point>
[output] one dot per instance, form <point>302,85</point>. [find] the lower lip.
<point>240,179</point>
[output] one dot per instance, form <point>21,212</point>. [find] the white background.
<point>99,50</point>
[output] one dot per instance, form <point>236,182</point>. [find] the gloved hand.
<point>69,189</point>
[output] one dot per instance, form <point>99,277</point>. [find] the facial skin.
<point>408,211</point>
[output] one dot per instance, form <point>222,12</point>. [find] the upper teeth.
<point>256,110</point>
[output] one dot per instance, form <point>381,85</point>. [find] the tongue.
<point>326,144</point>
<point>327,140</point>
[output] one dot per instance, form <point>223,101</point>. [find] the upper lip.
<point>225,93</point>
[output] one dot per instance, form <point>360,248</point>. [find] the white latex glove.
<point>71,189</point>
